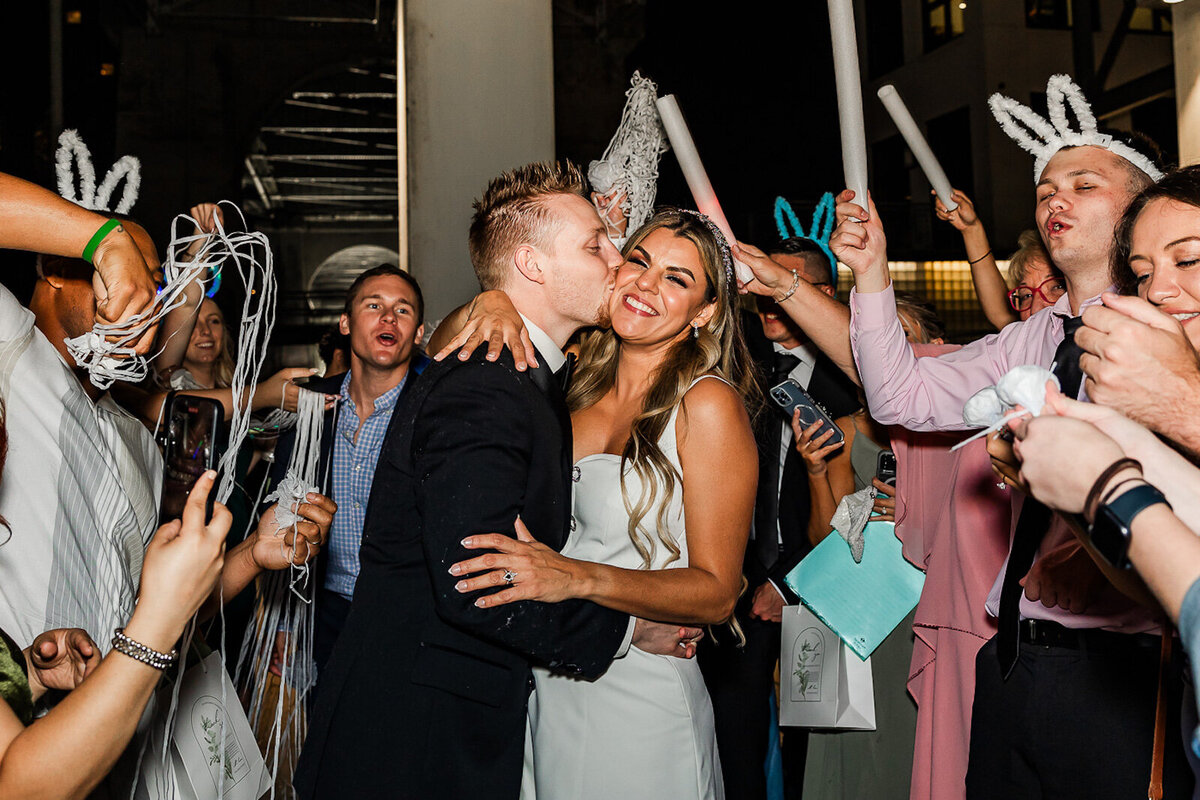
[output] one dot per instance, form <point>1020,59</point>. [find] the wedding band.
<point>509,576</point>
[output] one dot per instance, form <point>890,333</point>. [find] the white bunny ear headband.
<point>1044,138</point>
<point>72,152</point>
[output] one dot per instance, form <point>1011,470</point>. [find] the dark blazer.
<point>831,388</point>
<point>424,695</point>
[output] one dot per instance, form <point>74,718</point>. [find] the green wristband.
<point>98,237</point>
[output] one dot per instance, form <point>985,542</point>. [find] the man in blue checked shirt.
<point>383,319</point>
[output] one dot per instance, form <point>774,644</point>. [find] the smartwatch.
<point>1109,532</point>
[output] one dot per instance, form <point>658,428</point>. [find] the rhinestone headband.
<point>722,245</point>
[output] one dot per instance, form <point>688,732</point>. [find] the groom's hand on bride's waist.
<point>664,639</point>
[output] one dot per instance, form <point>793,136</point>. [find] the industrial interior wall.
<point>480,86</point>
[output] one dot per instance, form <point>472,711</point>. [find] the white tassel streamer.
<point>630,162</point>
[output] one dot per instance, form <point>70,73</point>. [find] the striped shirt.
<point>355,452</point>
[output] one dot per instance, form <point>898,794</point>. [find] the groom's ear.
<point>529,262</point>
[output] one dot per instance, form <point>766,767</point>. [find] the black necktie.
<point>766,537</point>
<point>1035,517</point>
<point>565,373</point>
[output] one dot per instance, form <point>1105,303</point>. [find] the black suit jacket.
<point>831,388</point>
<point>424,695</point>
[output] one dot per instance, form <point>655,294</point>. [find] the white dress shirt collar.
<point>550,353</point>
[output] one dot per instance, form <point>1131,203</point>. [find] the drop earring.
<point>695,331</point>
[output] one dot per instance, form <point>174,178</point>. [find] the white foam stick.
<point>917,144</point>
<point>695,175</point>
<point>849,94</point>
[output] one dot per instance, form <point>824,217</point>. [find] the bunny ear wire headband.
<point>1044,137</point>
<point>72,152</point>
<point>818,232</point>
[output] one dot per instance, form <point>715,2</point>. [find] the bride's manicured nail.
<point>454,570</point>
<point>480,603</point>
<point>467,542</point>
<point>461,586</point>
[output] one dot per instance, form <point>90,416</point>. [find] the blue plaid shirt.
<point>353,472</point>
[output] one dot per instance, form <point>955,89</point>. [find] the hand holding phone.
<point>192,446</point>
<point>789,396</point>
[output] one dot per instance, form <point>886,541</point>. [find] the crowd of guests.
<point>551,559</point>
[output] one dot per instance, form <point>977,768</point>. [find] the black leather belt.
<point>1045,633</point>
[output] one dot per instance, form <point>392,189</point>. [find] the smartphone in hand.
<point>193,444</point>
<point>789,396</point>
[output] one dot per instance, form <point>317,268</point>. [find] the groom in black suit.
<point>425,694</point>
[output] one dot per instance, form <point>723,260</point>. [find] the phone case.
<point>788,396</point>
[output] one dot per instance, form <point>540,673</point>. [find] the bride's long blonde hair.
<point>718,349</point>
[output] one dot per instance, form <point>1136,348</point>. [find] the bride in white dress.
<point>664,477</point>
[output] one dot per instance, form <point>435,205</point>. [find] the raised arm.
<point>720,471</point>
<point>823,319</point>
<point>67,752</point>
<point>919,394</point>
<point>34,219</point>
<point>990,287</point>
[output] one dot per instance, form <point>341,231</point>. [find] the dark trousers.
<point>740,682</point>
<point>1074,723</point>
<point>332,610</point>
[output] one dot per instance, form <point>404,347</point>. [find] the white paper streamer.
<point>630,162</point>
<point>849,94</point>
<point>917,144</point>
<point>695,175</point>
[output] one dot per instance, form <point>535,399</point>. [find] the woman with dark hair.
<point>658,410</point>
<point>1157,248</point>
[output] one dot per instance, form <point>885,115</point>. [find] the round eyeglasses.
<point>1049,290</point>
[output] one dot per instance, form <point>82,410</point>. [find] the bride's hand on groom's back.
<point>666,639</point>
<point>522,568</point>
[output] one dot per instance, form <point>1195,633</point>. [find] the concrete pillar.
<point>480,86</point>
<point>1185,22</point>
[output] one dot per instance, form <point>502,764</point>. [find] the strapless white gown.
<point>645,728</point>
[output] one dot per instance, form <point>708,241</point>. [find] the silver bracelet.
<point>791,291</point>
<point>140,652</point>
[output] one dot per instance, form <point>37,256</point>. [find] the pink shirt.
<point>928,394</point>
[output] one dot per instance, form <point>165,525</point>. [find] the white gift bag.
<point>208,738</point>
<point>822,682</point>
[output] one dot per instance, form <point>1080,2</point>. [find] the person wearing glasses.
<point>1036,282</point>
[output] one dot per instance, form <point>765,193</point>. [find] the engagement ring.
<point>509,576</point>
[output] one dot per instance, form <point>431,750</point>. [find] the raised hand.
<point>293,545</point>
<point>962,217</point>
<point>124,284</point>
<point>860,244</point>
<point>60,659</point>
<point>610,210</point>
<point>181,567</point>
<point>770,277</point>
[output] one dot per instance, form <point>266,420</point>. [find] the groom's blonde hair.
<point>513,211</point>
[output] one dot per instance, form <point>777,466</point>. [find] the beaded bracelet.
<point>140,652</point>
<point>791,291</point>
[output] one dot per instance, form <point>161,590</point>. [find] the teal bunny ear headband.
<point>819,231</point>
